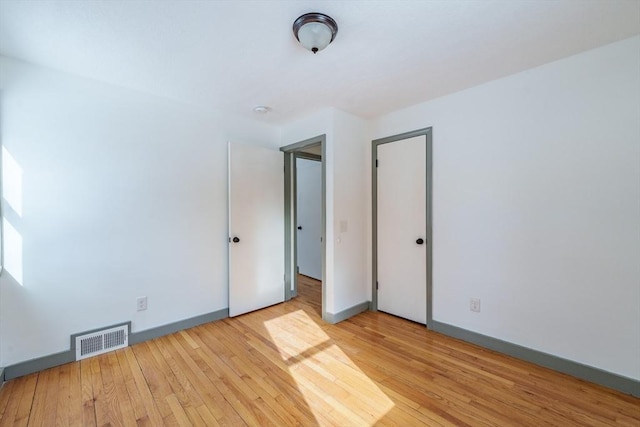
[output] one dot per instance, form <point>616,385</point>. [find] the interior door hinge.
<point>377,286</point>
<point>376,162</point>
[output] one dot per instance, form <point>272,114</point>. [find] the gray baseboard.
<point>52,360</point>
<point>39,364</point>
<point>345,314</point>
<point>588,373</point>
<point>148,334</point>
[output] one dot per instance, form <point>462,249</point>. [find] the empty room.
<point>320,213</point>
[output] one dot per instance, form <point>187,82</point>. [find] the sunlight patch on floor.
<point>336,390</point>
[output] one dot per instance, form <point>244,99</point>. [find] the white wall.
<point>346,194</point>
<point>536,206</point>
<point>351,207</point>
<point>319,123</point>
<point>124,195</point>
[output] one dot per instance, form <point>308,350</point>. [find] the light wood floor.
<point>283,366</point>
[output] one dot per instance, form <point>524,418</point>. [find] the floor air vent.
<point>100,342</point>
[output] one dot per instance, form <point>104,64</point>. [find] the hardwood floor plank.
<point>136,401</point>
<point>50,405</point>
<point>99,398</point>
<point>122,397</point>
<point>178,411</point>
<point>107,400</point>
<point>63,395</point>
<point>158,387</point>
<point>207,416</point>
<point>75,395</point>
<point>6,397</point>
<point>209,394</point>
<point>229,385</point>
<point>10,403</point>
<point>88,399</point>
<point>183,389</point>
<point>39,399</point>
<point>234,356</point>
<point>407,409</point>
<point>23,413</point>
<point>143,404</point>
<point>306,383</point>
<point>284,366</point>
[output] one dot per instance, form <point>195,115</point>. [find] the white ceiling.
<point>233,55</point>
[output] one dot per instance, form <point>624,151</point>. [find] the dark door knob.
<point>419,241</point>
<point>299,227</point>
<point>236,240</point>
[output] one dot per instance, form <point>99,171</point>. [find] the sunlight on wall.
<point>12,245</point>
<point>336,390</point>
<point>11,181</point>
<point>12,195</point>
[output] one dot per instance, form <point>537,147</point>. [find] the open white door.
<point>256,228</point>
<point>401,228</point>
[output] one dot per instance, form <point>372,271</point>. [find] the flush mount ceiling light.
<point>315,31</point>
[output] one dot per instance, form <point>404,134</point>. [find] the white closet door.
<point>309,217</point>
<point>256,228</point>
<point>401,228</point>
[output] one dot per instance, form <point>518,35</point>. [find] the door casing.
<point>290,153</point>
<point>427,132</point>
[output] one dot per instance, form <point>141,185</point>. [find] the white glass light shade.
<point>315,31</point>
<point>314,36</point>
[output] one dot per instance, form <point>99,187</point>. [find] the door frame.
<point>291,152</point>
<point>427,132</point>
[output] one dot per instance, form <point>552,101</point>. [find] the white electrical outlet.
<point>474,304</point>
<point>141,303</point>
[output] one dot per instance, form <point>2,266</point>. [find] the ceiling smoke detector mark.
<point>261,109</point>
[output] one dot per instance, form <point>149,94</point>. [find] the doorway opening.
<point>313,150</point>
<point>309,226</point>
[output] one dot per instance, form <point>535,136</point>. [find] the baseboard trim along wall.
<point>578,370</point>
<point>46,362</point>
<point>160,331</point>
<point>39,364</point>
<point>345,314</point>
